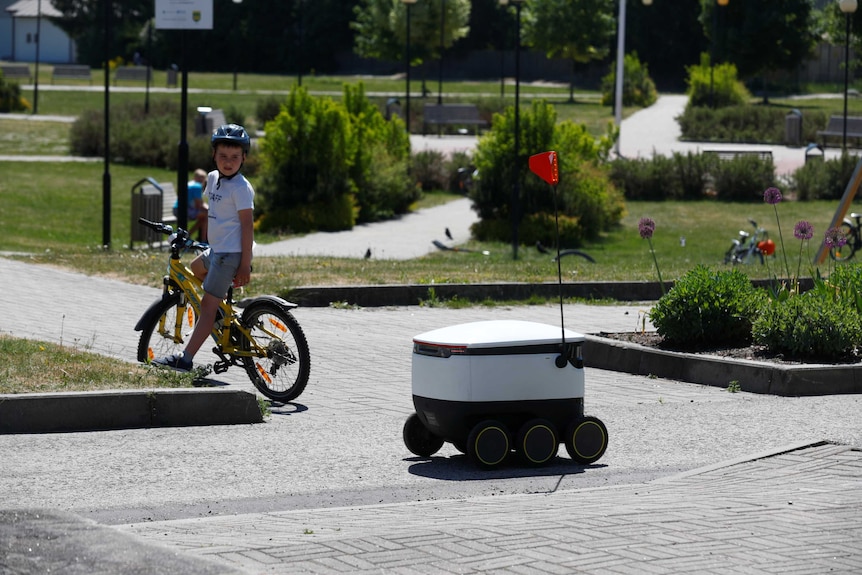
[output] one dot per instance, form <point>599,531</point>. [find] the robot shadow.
<point>460,468</point>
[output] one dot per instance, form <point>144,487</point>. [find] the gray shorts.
<point>221,269</point>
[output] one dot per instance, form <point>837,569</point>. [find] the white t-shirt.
<point>226,198</point>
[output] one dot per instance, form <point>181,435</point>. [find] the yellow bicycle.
<point>266,340</point>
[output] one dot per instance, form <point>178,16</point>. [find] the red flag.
<point>544,165</point>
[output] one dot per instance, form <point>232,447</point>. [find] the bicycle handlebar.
<point>179,238</point>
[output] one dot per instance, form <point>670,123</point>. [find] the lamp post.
<point>408,4</point>
<point>621,52</point>
<point>503,3</point>
<point>848,7</point>
<point>38,44</point>
<point>516,188</point>
<point>712,52</point>
<point>442,48</point>
<point>236,55</point>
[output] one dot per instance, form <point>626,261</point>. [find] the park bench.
<point>72,72</point>
<point>731,154</point>
<point>452,115</point>
<point>132,73</point>
<point>835,128</point>
<point>16,71</point>
<point>153,201</point>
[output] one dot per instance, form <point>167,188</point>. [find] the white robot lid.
<point>499,333</point>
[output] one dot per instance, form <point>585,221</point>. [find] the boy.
<point>231,236</point>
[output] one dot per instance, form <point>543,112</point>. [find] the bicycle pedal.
<point>220,366</point>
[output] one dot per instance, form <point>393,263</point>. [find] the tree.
<point>381,29</point>
<point>576,30</point>
<point>761,36</point>
<point>83,21</point>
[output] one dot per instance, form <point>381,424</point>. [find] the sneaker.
<point>175,361</point>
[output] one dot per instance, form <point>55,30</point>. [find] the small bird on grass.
<point>368,253</point>
<point>542,249</point>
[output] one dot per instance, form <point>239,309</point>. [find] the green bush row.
<point>691,176</point>
<point>708,308</point>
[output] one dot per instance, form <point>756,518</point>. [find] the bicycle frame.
<point>181,278</point>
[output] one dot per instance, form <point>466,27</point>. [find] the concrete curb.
<point>752,376</point>
<point>97,410</point>
<point>414,294</point>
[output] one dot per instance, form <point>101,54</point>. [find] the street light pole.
<point>236,55</point>
<point>848,7</point>
<point>442,48</point>
<point>503,3</point>
<point>408,4</point>
<point>516,188</point>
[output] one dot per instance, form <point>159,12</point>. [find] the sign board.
<point>184,14</point>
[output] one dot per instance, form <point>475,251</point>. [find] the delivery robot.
<point>496,388</point>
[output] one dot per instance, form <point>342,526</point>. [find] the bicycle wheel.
<point>163,334</point>
<point>846,251</point>
<point>280,371</point>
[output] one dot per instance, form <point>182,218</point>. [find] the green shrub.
<point>428,168</point>
<point>638,87</point>
<point>707,308</point>
<point>318,151</point>
<point>676,177</point>
<point>745,123</point>
<point>584,195</point>
<point>743,178</point>
<point>812,325</point>
<point>824,179</point>
<point>139,138</point>
<point>715,87</point>
<point>267,109</point>
<point>10,97</point>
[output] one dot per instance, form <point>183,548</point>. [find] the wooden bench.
<point>732,154</point>
<point>16,71</point>
<point>835,128</point>
<point>132,73</point>
<point>153,201</point>
<point>452,115</point>
<point>72,72</point>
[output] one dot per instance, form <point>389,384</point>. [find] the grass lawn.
<point>53,213</point>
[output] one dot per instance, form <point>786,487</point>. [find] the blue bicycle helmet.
<point>233,134</point>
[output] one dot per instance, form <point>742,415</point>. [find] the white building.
<point>19,20</point>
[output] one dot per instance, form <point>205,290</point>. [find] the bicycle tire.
<point>154,343</point>
<point>282,373</point>
<point>846,251</point>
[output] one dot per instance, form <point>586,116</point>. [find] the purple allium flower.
<point>646,227</point>
<point>835,238</point>
<point>772,196</point>
<point>803,230</point>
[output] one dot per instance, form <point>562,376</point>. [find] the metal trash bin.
<point>172,76</point>
<point>793,128</point>
<point>146,203</point>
